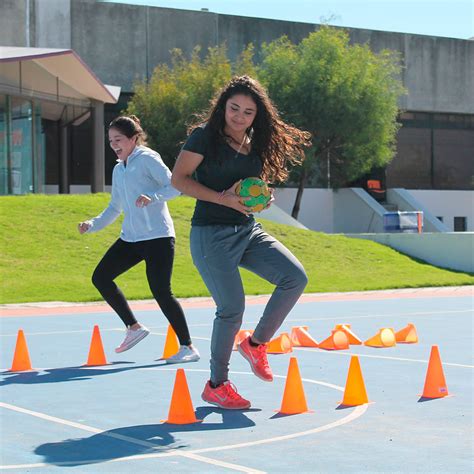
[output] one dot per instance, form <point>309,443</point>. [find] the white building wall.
<point>316,211</point>
<point>317,206</point>
<point>453,250</point>
<point>448,204</point>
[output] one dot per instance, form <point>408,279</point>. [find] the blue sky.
<point>450,18</point>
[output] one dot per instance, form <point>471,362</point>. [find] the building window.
<point>460,224</point>
<point>440,218</point>
<point>21,146</point>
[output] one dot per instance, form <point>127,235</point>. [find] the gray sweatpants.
<point>218,251</point>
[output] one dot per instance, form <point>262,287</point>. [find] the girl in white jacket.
<point>141,185</point>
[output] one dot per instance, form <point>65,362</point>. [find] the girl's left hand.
<point>271,200</point>
<point>142,200</point>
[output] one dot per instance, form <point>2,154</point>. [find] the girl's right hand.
<point>83,227</point>
<point>231,199</point>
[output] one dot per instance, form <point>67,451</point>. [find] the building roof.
<point>57,75</point>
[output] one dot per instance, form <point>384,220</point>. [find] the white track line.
<point>379,315</point>
<point>215,462</point>
<point>290,320</point>
<point>192,454</point>
<point>452,364</point>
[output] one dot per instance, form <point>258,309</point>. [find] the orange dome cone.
<point>171,343</point>
<point>300,337</point>
<point>338,340</point>
<point>354,393</point>
<point>240,336</point>
<point>384,338</point>
<point>181,410</point>
<point>280,345</point>
<point>294,399</point>
<point>353,339</point>
<point>407,335</point>
<point>294,335</point>
<point>435,383</point>
<point>21,357</point>
<point>96,351</point>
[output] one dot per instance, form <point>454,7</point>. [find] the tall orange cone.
<point>96,351</point>
<point>280,345</point>
<point>435,383</point>
<point>21,358</point>
<point>384,338</point>
<point>171,343</point>
<point>240,336</point>
<point>353,339</point>
<point>407,335</point>
<point>181,410</point>
<point>354,393</point>
<point>338,340</point>
<point>300,337</point>
<point>294,399</point>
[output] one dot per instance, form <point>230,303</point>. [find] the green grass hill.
<point>44,258</point>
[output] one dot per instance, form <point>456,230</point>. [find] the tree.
<point>345,95</point>
<point>175,93</point>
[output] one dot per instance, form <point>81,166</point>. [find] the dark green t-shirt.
<point>220,175</point>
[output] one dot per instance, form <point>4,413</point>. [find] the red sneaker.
<point>224,396</point>
<point>257,358</point>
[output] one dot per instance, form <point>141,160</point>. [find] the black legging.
<point>158,255</point>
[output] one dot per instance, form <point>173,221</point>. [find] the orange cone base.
<point>337,341</point>
<point>171,343</point>
<point>294,334</point>
<point>181,410</point>
<point>384,338</point>
<point>300,337</point>
<point>21,358</point>
<point>280,345</point>
<point>96,351</point>
<point>353,339</point>
<point>407,335</point>
<point>435,382</point>
<point>354,392</point>
<point>240,336</point>
<point>294,399</point>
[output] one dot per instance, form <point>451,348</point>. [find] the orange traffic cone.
<point>240,336</point>
<point>294,399</point>
<point>181,408</point>
<point>338,340</point>
<point>300,337</point>
<point>435,383</point>
<point>354,393</point>
<point>353,339</point>
<point>384,338</point>
<point>96,351</point>
<point>21,357</point>
<point>407,335</point>
<point>280,345</point>
<point>171,343</point>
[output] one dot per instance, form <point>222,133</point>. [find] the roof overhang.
<point>58,76</point>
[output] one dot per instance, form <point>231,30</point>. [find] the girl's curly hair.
<point>276,142</point>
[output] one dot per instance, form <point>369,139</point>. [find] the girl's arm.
<point>162,175</point>
<point>182,180</point>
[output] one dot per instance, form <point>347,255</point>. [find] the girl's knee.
<point>232,313</point>
<point>98,279</point>
<point>297,279</point>
<point>302,279</point>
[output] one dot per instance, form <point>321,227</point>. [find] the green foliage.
<point>176,93</point>
<point>44,258</point>
<point>345,95</point>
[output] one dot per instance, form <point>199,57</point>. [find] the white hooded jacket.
<point>144,173</point>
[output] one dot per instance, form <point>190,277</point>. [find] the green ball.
<point>257,190</point>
